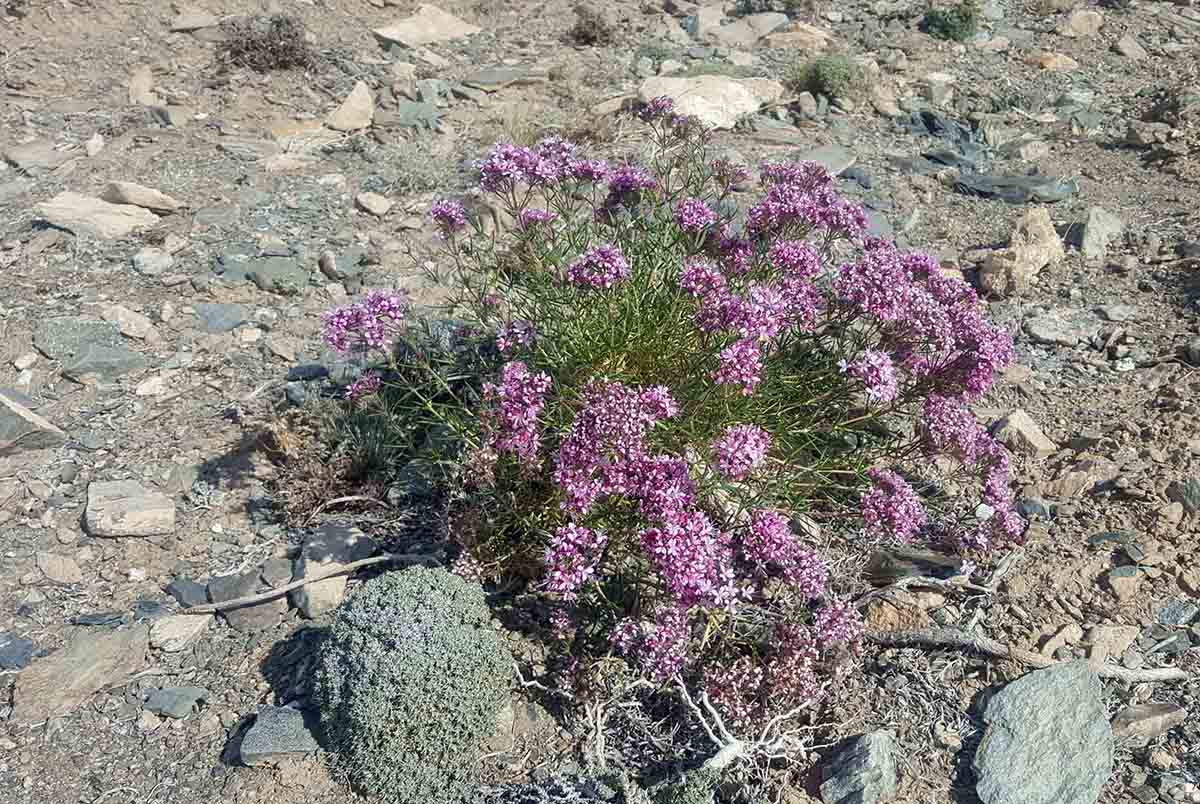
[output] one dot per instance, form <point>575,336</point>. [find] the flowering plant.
<point>682,390</point>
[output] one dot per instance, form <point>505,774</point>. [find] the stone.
<point>141,87</point>
<point>1020,433</point>
<point>15,652</point>
<point>335,544</point>
<point>1138,724</point>
<point>126,508</point>
<point>1053,62</point>
<point>178,632</point>
<point>428,26</point>
<point>58,684</point>
<point>745,32</point>
<point>61,338</point>
<point>22,429</point>
<point>411,114</point>
<point>834,158</point>
<point>126,192</point>
<point>1069,634</point>
<point>130,324</point>
<point>1129,47</point>
<point>216,318</point>
<point>1124,582</point>
<point>282,275</point>
<point>1046,740</point>
<point>1080,478</point>
<point>83,215</point>
<point>175,702</point>
<point>276,572</point>
<point>278,733</point>
<point>103,363</point>
<point>151,261</point>
<point>1117,313</point>
<point>59,569</point>
<point>885,615</point>
<point>191,19</point>
<point>800,38</point>
<point>373,203</point>
<point>1186,493</point>
<point>1099,230</point>
<point>715,100</point>
<point>1033,245</point>
<point>863,772</point>
<point>356,112</point>
<point>247,619</point>
<point>493,79</point>
<point>1060,329</point>
<point>1178,613</point>
<point>1104,641</point>
<point>36,158</point>
<point>1082,24</point>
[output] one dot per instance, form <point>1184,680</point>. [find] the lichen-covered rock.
<point>409,685</point>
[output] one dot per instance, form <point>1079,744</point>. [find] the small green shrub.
<point>409,685</point>
<point>957,24</point>
<point>835,77</point>
<point>265,43</point>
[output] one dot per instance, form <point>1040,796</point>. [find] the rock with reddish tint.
<point>1137,725</point>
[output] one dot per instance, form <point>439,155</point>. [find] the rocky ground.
<point>172,225</point>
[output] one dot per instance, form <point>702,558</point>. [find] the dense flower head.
<point>664,650</point>
<point>879,283</point>
<point>769,545</point>
<point>693,216</point>
<point>600,267</point>
<point>657,108</point>
<point>450,216</point>
<point>532,217</point>
<point>741,449</point>
<point>792,208</point>
<point>571,559</point>
<point>372,322</point>
<point>515,335</point>
<point>629,180</point>
<point>366,385</point>
<point>700,277</point>
<point>891,508</point>
<point>876,371</point>
<point>795,258</point>
<point>662,485</point>
<point>512,408</point>
<point>729,175</point>
<point>740,363</point>
<point>606,441</point>
<point>949,427</point>
<point>588,170</point>
<point>507,165</point>
<point>734,253</point>
<point>694,559</point>
<point>805,175</point>
<point>838,623</point>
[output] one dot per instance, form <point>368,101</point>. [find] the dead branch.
<point>955,638</point>
<point>340,569</point>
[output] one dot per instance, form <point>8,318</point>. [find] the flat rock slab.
<point>1060,329</point>
<point>104,363</point>
<point>62,338</point>
<point>332,545</point>
<point>834,158</point>
<point>60,683</point>
<point>428,26</point>
<point>175,702</point>
<point>715,100</point>
<point>84,215</point>
<point>217,318</point>
<point>126,192</point>
<point>21,429</point>
<point>247,619</point>
<point>492,79</point>
<point>126,508</point>
<point>36,158</point>
<point>15,652</point>
<point>278,733</point>
<point>1047,740</point>
<point>863,772</point>
<point>178,632</point>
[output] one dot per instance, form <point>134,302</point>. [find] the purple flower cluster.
<point>742,448</point>
<point>600,267</point>
<point>729,176</point>
<point>571,559</point>
<point>693,216</point>
<point>740,363</point>
<point>369,323</point>
<point>891,508</point>
<point>657,108</point>
<point>512,409</point>
<point>515,335</point>
<point>769,545</point>
<point>875,370</point>
<point>838,623</point>
<point>550,162</point>
<point>450,216</point>
<point>532,217</point>
<point>797,208</point>
<point>366,385</point>
<point>694,559</point>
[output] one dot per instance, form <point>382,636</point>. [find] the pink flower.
<point>740,364</point>
<point>600,267</point>
<point>512,409</point>
<point>742,448</point>
<point>693,216</point>
<point>891,508</point>
<point>532,218</point>
<point>515,335</point>
<point>769,544</point>
<point>838,623</point>
<point>366,385</point>
<point>657,108</point>
<point>450,216</point>
<point>875,370</point>
<point>571,559</point>
<point>369,323</point>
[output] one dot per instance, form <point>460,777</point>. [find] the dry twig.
<point>341,569</point>
<point>955,638</point>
